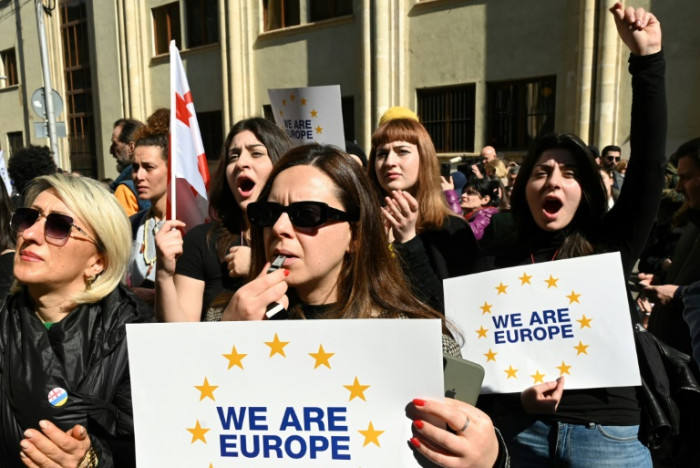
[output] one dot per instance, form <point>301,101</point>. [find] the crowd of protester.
<point>364,237</point>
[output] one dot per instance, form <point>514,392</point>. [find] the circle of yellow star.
<point>482,332</point>
<point>501,288</point>
<point>321,357</point>
<point>585,321</point>
<point>537,377</point>
<point>511,372</point>
<point>206,390</point>
<point>198,433</point>
<point>235,358</point>
<point>525,279</point>
<point>573,297</point>
<point>551,282</point>
<point>357,390</point>
<point>371,435</point>
<point>490,356</point>
<point>564,369</point>
<point>486,308</point>
<point>581,348</point>
<point>277,346</point>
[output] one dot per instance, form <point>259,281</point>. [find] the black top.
<point>7,263</point>
<point>434,255</point>
<point>200,261</point>
<point>624,228</point>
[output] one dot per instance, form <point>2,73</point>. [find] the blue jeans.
<point>542,444</point>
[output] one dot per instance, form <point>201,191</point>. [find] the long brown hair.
<point>223,207</point>
<point>433,209</point>
<point>371,281</point>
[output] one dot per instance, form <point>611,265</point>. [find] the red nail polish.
<point>418,423</point>
<point>418,402</point>
<point>415,442</point>
<point>286,272</point>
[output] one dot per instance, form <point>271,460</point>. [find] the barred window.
<point>520,111</point>
<point>448,115</point>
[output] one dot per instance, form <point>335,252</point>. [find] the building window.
<point>347,104</point>
<point>8,72</point>
<point>279,14</point>
<point>166,27</point>
<point>325,9</point>
<point>210,126</point>
<point>448,116</point>
<point>520,111</point>
<point>202,22</point>
<point>15,141</point>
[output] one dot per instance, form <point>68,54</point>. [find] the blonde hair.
<point>99,209</point>
<point>499,168</point>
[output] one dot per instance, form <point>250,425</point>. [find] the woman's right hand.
<point>168,246</point>
<point>238,261</point>
<point>251,300</point>
<point>401,211</point>
<point>468,441</point>
<point>543,398</point>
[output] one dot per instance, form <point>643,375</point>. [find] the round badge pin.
<point>58,397</point>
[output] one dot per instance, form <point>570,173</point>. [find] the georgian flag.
<point>187,191</point>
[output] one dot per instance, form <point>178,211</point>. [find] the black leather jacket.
<point>84,354</point>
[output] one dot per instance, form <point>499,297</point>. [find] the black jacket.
<point>84,354</point>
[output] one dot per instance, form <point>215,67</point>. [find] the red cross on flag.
<point>187,190</point>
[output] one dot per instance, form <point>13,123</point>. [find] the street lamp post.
<point>48,88</point>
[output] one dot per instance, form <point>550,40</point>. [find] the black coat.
<point>85,354</point>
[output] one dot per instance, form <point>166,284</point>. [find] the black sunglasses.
<point>305,214</point>
<point>58,226</point>
<point>613,158</point>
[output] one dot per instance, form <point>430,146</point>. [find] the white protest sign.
<point>280,393</point>
<point>3,173</point>
<point>530,324</point>
<point>309,115</point>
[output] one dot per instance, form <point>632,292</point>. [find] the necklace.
<point>532,257</point>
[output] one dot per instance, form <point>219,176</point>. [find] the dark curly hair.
<point>28,163</point>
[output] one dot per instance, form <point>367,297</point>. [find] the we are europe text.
<point>310,432</point>
<point>544,325</point>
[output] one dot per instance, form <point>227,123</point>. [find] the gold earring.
<point>88,282</point>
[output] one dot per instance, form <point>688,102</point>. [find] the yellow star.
<point>538,378</point>
<point>371,435</point>
<point>581,348</point>
<point>551,282</point>
<point>490,356</point>
<point>511,372</point>
<point>198,433</point>
<point>291,97</point>
<point>277,346</point>
<point>564,369</point>
<point>501,288</point>
<point>319,129</point>
<point>486,308</point>
<point>525,279</point>
<point>284,102</point>
<point>573,297</point>
<point>235,358</point>
<point>321,357</point>
<point>314,113</point>
<point>206,390</point>
<point>584,321</point>
<point>482,332</point>
<point>357,390</point>
<point>303,101</point>
<point>281,113</point>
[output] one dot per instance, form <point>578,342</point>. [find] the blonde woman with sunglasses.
<point>65,398</point>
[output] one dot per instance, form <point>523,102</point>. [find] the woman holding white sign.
<point>318,211</point>
<point>560,211</point>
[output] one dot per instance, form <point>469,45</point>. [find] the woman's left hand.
<point>472,441</point>
<point>543,398</point>
<point>401,210</point>
<point>447,184</point>
<point>51,447</point>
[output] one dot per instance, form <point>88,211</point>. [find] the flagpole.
<point>173,133</point>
